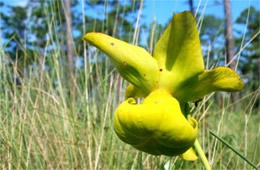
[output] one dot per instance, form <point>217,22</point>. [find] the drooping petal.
<point>218,79</point>
<point>156,126</point>
<point>189,155</point>
<point>178,51</point>
<point>133,63</point>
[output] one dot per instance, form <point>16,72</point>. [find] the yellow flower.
<point>173,76</point>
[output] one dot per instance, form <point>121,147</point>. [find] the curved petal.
<point>132,62</point>
<point>218,79</point>
<point>178,51</point>
<point>156,126</point>
<point>189,155</point>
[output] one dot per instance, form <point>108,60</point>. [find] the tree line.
<point>59,25</point>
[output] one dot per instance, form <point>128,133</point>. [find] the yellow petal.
<point>132,62</point>
<point>218,79</point>
<point>178,51</point>
<point>189,155</point>
<point>156,126</point>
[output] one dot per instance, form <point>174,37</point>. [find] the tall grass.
<point>42,127</point>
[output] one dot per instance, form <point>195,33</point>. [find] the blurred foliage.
<point>36,32</point>
<point>250,56</point>
<point>212,37</point>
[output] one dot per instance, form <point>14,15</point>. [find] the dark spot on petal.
<point>125,63</point>
<point>112,44</point>
<point>144,75</point>
<point>161,69</point>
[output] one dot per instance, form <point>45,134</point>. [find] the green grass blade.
<point>234,150</point>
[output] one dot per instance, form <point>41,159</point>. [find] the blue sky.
<point>162,10</point>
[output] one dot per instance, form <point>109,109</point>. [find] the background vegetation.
<point>56,104</point>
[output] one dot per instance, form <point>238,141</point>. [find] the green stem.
<point>202,155</point>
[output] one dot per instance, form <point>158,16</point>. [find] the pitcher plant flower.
<point>168,80</point>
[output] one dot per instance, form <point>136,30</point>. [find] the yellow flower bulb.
<point>157,126</point>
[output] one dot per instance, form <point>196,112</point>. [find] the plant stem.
<point>202,155</point>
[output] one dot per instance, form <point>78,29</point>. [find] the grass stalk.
<point>202,155</point>
<point>233,149</point>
